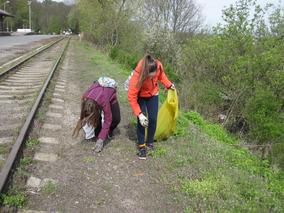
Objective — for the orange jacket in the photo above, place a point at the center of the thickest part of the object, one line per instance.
(149, 87)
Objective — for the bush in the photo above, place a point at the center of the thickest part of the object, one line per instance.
(238, 70)
(172, 75)
(127, 59)
(262, 113)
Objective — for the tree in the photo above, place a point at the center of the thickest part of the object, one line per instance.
(173, 15)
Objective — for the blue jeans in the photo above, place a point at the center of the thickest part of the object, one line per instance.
(149, 106)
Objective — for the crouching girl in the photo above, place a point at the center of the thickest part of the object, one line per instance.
(100, 99)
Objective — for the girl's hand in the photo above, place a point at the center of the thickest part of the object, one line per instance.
(143, 120)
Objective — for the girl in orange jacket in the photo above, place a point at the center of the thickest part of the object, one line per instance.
(143, 95)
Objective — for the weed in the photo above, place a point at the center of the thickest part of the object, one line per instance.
(213, 130)
(40, 116)
(32, 142)
(159, 151)
(182, 160)
(24, 162)
(4, 149)
(206, 187)
(15, 200)
(182, 125)
(49, 188)
(89, 159)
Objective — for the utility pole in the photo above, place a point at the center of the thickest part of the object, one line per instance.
(6, 2)
(30, 15)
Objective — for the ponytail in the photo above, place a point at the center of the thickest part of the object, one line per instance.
(148, 65)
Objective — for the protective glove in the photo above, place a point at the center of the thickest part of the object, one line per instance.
(89, 131)
(143, 120)
(173, 87)
(99, 145)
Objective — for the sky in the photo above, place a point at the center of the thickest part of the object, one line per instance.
(212, 9)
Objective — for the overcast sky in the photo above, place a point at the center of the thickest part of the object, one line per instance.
(212, 9)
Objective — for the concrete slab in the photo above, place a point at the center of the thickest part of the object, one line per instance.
(54, 115)
(61, 83)
(6, 140)
(18, 88)
(54, 106)
(48, 180)
(57, 95)
(59, 90)
(15, 96)
(45, 157)
(9, 127)
(58, 100)
(16, 101)
(51, 126)
(48, 140)
(32, 211)
(33, 182)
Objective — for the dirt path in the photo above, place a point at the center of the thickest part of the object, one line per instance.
(76, 180)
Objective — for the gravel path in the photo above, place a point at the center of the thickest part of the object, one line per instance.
(112, 181)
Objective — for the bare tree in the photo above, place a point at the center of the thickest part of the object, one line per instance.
(173, 15)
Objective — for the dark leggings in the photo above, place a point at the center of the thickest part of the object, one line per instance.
(115, 111)
(149, 105)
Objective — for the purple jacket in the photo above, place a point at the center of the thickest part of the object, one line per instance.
(105, 97)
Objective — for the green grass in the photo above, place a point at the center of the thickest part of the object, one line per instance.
(32, 142)
(14, 198)
(226, 179)
(101, 65)
(25, 162)
(89, 159)
(4, 149)
(49, 188)
(159, 151)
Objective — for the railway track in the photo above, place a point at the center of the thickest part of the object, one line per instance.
(22, 88)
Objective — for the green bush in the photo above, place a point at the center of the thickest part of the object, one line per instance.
(127, 59)
(262, 113)
(172, 75)
(238, 70)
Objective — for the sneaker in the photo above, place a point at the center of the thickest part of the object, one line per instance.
(110, 135)
(150, 146)
(142, 154)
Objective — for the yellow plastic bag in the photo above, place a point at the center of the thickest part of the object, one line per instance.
(167, 116)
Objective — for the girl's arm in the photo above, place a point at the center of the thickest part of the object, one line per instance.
(107, 121)
(133, 93)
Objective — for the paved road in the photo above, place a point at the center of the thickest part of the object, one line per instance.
(10, 41)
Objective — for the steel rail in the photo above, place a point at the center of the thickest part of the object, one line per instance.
(9, 163)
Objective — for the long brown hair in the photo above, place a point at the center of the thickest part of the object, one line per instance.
(148, 65)
(90, 113)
